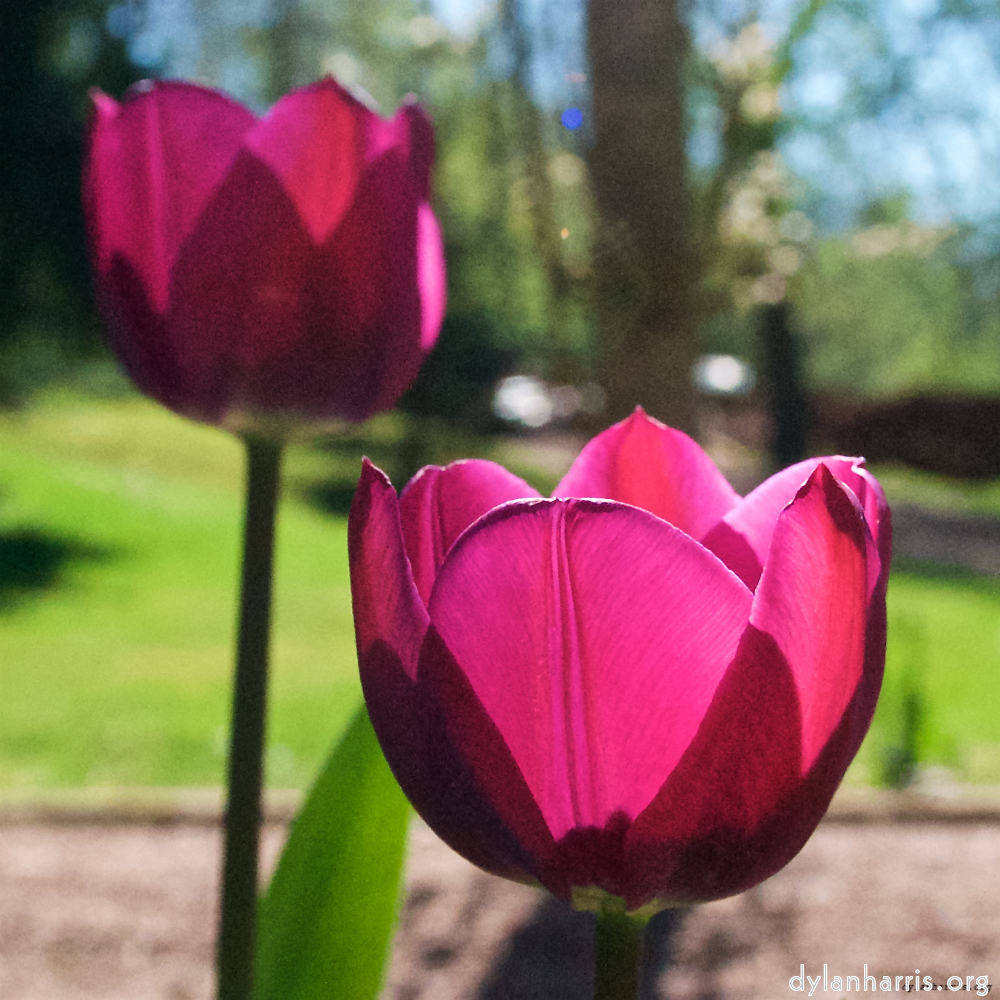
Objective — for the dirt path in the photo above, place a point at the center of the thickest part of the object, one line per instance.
(126, 912)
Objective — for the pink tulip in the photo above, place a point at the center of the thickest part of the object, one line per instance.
(288, 265)
(646, 684)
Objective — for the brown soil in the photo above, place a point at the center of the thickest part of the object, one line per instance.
(126, 912)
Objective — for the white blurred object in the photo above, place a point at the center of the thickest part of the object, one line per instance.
(723, 375)
(527, 400)
(523, 399)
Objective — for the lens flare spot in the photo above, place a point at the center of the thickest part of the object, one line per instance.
(572, 118)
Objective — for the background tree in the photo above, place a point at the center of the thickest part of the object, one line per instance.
(646, 271)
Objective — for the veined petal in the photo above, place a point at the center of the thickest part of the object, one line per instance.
(153, 163)
(417, 698)
(313, 139)
(438, 504)
(813, 600)
(690, 843)
(743, 537)
(594, 635)
(649, 465)
(870, 494)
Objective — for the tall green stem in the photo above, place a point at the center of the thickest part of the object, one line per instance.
(238, 911)
(619, 954)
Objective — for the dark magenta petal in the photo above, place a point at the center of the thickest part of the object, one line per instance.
(421, 706)
(313, 139)
(361, 303)
(743, 537)
(813, 600)
(689, 845)
(438, 504)
(853, 474)
(498, 815)
(235, 312)
(123, 298)
(387, 607)
(153, 162)
(786, 720)
(421, 148)
(644, 463)
(736, 809)
(594, 635)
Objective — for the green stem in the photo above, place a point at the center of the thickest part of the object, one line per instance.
(238, 911)
(619, 954)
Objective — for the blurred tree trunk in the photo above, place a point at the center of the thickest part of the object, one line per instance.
(783, 391)
(646, 267)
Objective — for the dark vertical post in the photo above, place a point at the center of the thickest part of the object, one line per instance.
(786, 400)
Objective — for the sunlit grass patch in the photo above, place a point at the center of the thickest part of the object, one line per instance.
(116, 667)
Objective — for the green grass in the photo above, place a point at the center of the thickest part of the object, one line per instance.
(120, 522)
(119, 535)
(944, 644)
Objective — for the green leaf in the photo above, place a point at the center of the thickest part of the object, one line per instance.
(327, 918)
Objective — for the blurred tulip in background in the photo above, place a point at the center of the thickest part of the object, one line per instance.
(260, 272)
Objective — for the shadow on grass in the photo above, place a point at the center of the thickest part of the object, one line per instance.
(33, 561)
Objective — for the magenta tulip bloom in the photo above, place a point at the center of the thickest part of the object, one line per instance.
(645, 685)
(281, 269)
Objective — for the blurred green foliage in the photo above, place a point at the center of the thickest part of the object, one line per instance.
(891, 312)
(513, 195)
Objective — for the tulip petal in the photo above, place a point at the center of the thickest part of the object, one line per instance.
(153, 163)
(430, 276)
(594, 635)
(235, 295)
(313, 139)
(646, 464)
(361, 304)
(735, 810)
(870, 494)
(742, 538)
(421, 148)
(123, 298)
(387, 606)
(786, 719)
(689, 845)
(438, 504)
(415, 708)
(813, 599)
(410, 132)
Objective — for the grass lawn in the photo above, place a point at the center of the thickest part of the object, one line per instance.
(119, 534)
(944, 647)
